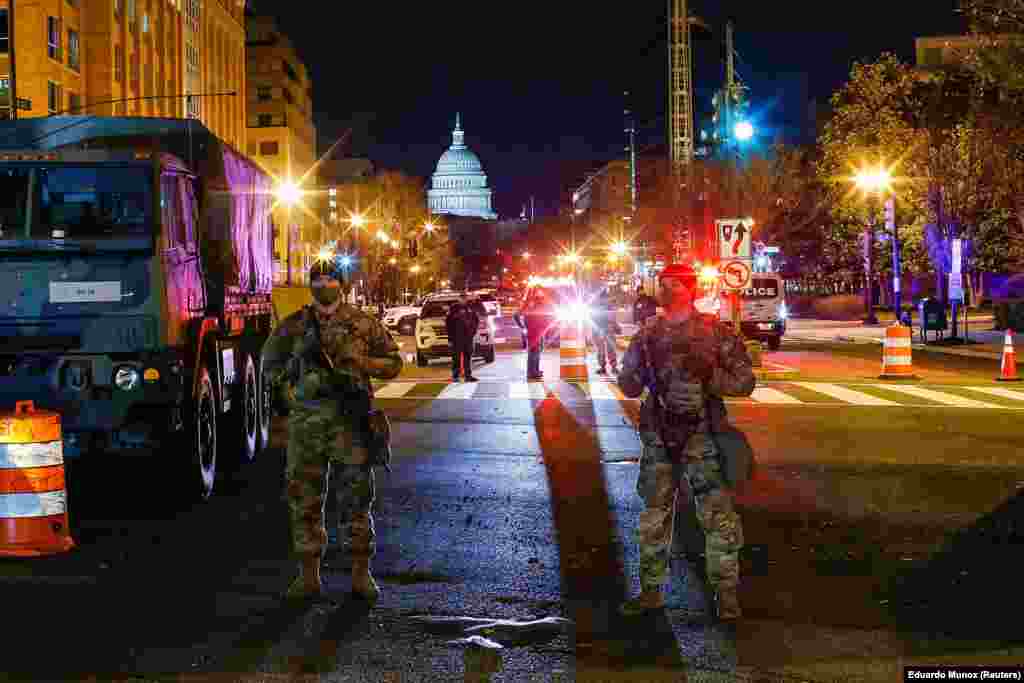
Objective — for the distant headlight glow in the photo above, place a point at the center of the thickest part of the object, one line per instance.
(573, 313)
(783, 311)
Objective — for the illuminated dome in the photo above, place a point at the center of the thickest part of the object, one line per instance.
(459, 185)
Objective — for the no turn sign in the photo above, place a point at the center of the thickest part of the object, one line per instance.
(736, 274)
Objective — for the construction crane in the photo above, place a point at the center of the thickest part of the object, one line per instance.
(680, 85)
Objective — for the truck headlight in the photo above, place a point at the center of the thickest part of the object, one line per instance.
(783, 311)
(126, 378)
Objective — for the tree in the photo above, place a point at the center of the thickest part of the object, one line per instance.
(998, 59)
(876, 119)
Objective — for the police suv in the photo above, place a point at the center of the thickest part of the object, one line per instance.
(763, 311)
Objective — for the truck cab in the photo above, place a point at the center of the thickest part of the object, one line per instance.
(763, 311)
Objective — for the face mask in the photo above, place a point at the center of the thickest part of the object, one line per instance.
(325, 296)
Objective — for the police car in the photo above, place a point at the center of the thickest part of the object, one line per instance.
(763, 311)
(432, 331)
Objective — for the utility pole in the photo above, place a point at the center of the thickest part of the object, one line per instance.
(731, 95)
(12, 86)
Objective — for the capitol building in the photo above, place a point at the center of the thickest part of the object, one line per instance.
(459, 185)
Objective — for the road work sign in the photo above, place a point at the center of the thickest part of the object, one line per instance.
(736, 275)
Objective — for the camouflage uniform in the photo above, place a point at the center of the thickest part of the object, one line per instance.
(322, 441)
(690, 452)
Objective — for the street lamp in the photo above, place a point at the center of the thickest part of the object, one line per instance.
(875, 182)
(743, 131)
(288, 193)
(429, 227)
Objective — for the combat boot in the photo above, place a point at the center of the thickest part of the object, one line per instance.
(646, 601)
(727, 605)
(363, 584)
(307, 585)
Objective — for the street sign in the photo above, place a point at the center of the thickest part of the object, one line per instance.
(734, 238)
(770, 250)
(736, 274)
(956, 287)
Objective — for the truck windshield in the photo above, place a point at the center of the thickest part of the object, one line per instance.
(48, 202)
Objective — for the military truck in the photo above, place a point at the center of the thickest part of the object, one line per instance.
(135, 289)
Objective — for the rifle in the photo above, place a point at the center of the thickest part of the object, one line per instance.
(666, 421)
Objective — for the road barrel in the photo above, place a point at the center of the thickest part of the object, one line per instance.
(33, 497)
(573, 352)
(896, 353)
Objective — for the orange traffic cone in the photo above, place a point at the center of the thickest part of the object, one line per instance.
(896, 354)
(573, 352)
(1008, 368)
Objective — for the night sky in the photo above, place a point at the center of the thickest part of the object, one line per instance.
(540, 84)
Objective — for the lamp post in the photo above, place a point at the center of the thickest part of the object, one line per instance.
(289, 194)
(875, 183)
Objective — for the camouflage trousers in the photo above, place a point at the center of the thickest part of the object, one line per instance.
(321, 451)
(658, 484)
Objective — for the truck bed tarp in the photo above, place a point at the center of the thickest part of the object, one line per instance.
(238, 232)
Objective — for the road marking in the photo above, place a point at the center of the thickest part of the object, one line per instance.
(395, 390)
(535, 390)
(848, 395)
(999, 391)
(604, 390)
(766, 395)
(459, 391)
(937, 396)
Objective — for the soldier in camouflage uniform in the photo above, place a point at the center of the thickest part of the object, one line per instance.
(324, 440)
(689, 360)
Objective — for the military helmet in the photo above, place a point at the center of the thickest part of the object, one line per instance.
(328, 267)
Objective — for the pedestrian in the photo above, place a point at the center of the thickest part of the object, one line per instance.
(688, 361)
(538, 316)
(605, 328)
(644, 306)
(319, 362)
(461, 324)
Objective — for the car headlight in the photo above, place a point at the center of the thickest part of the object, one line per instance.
(126, 378)
(783, 311)
(576, 312)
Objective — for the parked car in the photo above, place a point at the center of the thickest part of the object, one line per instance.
(489, 298)
(401, 320)
(432, 333)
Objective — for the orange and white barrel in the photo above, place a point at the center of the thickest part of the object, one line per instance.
(896, 353)
(573, 352)
(33, 496)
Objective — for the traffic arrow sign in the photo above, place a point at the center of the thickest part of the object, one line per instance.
(736, 274)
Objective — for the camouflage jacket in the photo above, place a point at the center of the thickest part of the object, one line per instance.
(348, 330)
(676, 350)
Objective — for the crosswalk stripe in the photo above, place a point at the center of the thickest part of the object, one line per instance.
(999, 391)
(604, 390)
(534, 390)
(768, 395)
(459, 391)
(395, 390)
(937, 396)
(858, 398)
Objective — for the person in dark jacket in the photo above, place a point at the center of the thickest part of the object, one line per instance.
(538, 316)
(461, 323)
(605, 329)
(644, 307)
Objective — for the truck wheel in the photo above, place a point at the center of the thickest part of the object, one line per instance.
(489, 354)
(774, 343)
(266, 411)
(249, 413)
(202, 460)
(421, 360)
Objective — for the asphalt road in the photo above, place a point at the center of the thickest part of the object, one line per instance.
(876, 534)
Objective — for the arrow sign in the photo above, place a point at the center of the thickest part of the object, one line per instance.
(734, 238)
(736, 274)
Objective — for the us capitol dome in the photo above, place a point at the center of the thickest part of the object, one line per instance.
(459, 185)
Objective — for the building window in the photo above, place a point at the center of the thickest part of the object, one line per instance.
(289, 70)
(333, 204)
(268, 149)
(53, 38)
(131, 15)
(74, 103)
(118, 63)
(4, 31)
(117, 8)
(145, 22)
(73, 50)
(54, 99)
(266, 120)
(933, 57)
(333, 192)
(264, 93)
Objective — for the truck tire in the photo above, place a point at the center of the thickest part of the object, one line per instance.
(266, 410)
(249, 413)
(201, 465)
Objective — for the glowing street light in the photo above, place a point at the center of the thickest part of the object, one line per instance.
(357, 220)
(383, 237)
(526, 255)
(288, 193)
(429, 227)
(876, 182)
(743, 130)
(393, 260)
(414, 269)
